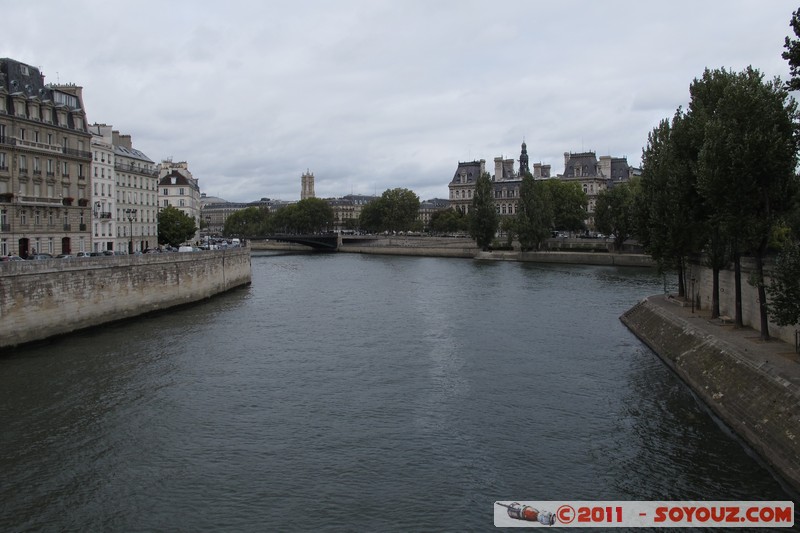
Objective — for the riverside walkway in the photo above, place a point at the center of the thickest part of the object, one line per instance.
(774, 357)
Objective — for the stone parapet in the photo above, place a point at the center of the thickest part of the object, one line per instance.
(41, 299)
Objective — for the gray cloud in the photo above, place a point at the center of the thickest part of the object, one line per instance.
(371, 95)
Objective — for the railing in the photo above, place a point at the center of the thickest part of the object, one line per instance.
(104, 214)
(37, 145)
(67, 227)
(39, 200)
(77, 153)
(133, 168)
(82, 227)
(5, 227)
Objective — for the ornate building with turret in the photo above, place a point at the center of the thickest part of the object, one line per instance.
(505, 181)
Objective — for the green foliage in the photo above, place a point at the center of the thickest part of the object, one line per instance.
(614, 212)
(792, 53)
(311, 215)
(175, 226)
(248, 222)
(534, 213)
(568, 203)
(483, 218)
(784, 289)
(448, 221)
(668, 218)
(396, 210)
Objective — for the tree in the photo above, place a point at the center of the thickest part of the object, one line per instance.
(448, 221)
(311, 215)
(534, 214)
(784, 289)
(568, 202)
(175, 226)
(792, 53)
(614, 212)
(248, 222)
(668, 222)
(746, 169)
(396, 210)
(483, 214)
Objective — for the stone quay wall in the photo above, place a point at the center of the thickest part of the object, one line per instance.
(41, 299)
(759, 406)
(701, 291)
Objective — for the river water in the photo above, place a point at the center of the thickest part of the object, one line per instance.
(359, 393)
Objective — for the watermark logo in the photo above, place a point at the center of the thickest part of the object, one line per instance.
(594, 514)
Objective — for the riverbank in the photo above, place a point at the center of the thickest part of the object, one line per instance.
(42, 299)
(751, 385)
(589, 253)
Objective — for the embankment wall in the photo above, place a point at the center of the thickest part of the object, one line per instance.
(760, 407)
(41, 299)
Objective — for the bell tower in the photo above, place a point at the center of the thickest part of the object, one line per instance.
(307, 185)
(523, 160)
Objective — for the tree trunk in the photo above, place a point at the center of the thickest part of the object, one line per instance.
(737, 284)
(762, 291)
(681, 279)
(715, 292)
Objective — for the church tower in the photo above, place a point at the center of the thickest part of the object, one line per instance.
(307, 185)
(523, 161)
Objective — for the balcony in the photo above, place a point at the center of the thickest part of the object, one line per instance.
(122, 167)
(37, 200)
(67, 227)
(31, 145)
(5, 227)
(104, 214)
(83, 154)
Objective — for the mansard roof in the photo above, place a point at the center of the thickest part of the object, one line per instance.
(131, 152)
(581, 164)
(180, 179)
(470, 169)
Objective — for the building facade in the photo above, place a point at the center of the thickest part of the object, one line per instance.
(44, 164)
(136, 183)
(104, 222)
(505, 182)
(595, 175)
(179, 189)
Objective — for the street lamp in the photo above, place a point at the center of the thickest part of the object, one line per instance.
(131, 214)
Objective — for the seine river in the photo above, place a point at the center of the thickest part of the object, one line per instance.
(359, 393)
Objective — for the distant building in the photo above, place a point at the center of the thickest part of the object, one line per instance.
(307, 185)
(428, 208)
(179, 189)
(44, 164)
(505, 182)
(595, 175)
(215, 211)
(347, 210)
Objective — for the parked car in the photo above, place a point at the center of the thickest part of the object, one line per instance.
(65, 256)
(11, 258)
(37, 257)
(83, 254)
(186, 249)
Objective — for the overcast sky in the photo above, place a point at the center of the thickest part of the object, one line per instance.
(371, 95)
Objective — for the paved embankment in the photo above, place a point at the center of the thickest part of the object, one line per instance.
(41, 299)
(753, 386)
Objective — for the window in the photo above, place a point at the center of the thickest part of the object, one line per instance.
(23, 164)
(166, 192)
(23, 218)
(180, 191)
(166, 203)
(3, 163)
(4, 247)
(65, 169)
(80, 170)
